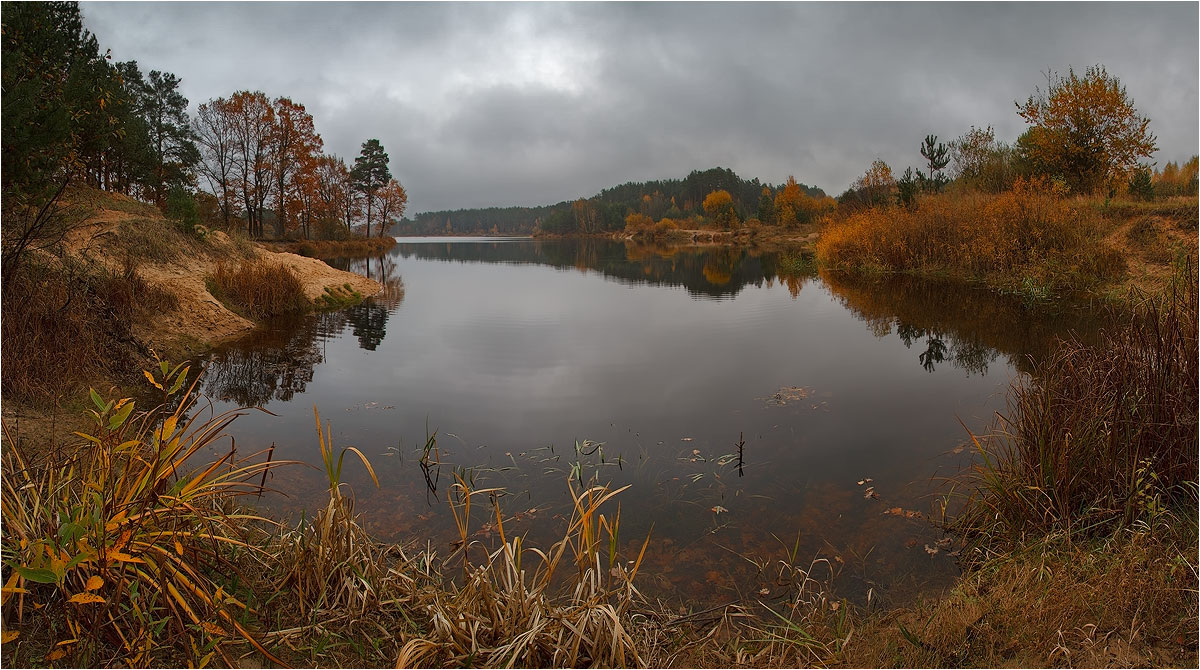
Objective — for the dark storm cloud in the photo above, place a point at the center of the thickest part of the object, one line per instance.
(482, 104)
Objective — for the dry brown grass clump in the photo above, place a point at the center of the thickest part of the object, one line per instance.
(63, 325)
(1129, 601)
(257, 289)
(1026, 239)
(1100, 437)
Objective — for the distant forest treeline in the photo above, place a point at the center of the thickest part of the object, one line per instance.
(606, 211)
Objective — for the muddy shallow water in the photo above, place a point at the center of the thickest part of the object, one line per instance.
(537, 361)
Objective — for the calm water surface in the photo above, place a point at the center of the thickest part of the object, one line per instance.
(515, 350)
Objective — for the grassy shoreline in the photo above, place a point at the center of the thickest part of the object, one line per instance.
(1046, 587)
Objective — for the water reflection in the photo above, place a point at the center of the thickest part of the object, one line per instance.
(276, 361)
(705, 271)
(741, 409)
(966, 326)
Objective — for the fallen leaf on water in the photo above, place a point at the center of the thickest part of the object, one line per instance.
(900, 511)
(717, 509)
(944, 542)
(912, 542)
(931, 550)
(958, 449)
(695, 452)
(866, 480)
(870, 493)
(685, 439)
(764, 591)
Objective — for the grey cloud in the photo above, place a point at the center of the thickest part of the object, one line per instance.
(509, 103)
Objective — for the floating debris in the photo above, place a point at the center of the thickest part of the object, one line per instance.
(788, 394)
(870, 493)
(866, 480)
(764, 591)
(932, 551)
(685, 439)
(717, 509)
(905, 513)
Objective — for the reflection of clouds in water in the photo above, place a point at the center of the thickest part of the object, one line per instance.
(508, 346)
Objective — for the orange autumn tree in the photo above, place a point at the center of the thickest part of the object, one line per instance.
(794, 207)
(295, 146)
(1085, 130)
(336, 201)
(718, 205)
(390, 202)
(252, 124)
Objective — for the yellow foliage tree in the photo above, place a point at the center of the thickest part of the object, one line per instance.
(718, 205)
(1089, 133)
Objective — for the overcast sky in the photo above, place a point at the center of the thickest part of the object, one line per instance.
(484, 104)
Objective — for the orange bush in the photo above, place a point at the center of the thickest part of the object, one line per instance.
(1027, 234)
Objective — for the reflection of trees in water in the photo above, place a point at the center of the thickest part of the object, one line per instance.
(276, 362)
(369, 322)
(965, 326)
(380, 268)
(704, 271)
(273, 363)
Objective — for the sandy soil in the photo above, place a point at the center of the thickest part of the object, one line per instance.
(201, 320)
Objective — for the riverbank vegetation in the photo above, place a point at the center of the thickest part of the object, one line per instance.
(334, 248)
(127, 546)
(1078, 528)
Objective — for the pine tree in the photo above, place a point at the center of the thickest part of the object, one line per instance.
(370, 172)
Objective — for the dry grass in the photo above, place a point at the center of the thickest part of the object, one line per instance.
(1100, 437)
(1028, 239)
(1128, 601)
(258, 290)
(67, 324)
(361, 246)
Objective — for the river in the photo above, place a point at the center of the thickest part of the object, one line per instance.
(538, 362)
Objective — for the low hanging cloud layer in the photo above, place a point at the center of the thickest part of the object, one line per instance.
(526, 104)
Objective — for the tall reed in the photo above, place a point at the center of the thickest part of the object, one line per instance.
(1099, 437)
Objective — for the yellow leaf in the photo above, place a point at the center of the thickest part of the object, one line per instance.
(212, 628)
(8, 636)
(168, 427)
(123, 557)
(94, 582)
(151, 378)
(85, 598)
(178, 548)
(55, 655)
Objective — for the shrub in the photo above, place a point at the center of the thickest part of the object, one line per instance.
(1005, 239)
(128, 544)
(258, 290)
